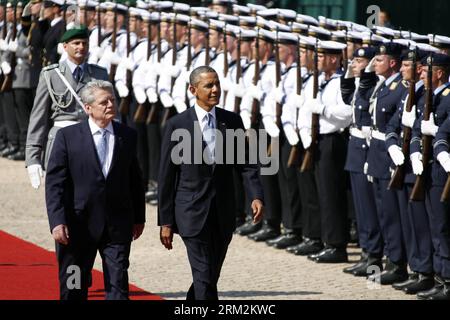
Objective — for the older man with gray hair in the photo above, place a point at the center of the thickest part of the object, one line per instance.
(94, 196)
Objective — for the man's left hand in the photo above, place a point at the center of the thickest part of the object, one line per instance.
(258, 210)
(137, 230)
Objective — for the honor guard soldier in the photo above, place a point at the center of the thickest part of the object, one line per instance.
(53, 13)
(57, 102)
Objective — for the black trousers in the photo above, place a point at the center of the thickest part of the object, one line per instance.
(3, 130)
(206, 253)
(331, 187)
(154, 132)
(9, 115)
(310, 205)
(23, 101)
(77, 258)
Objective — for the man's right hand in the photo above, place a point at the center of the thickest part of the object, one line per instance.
(35, 173)
(166, 237)
(61, 234)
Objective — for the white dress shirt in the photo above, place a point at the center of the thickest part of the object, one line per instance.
(110, 139)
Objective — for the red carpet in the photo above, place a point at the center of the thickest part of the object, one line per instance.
(29, 272)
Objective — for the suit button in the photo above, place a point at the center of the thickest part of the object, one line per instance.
(363, 146)
(360, 107)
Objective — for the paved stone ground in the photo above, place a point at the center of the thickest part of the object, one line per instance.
(251, 270)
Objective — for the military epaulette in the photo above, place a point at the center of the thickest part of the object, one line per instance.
(405, 83)
(393, 85)
(446, 92)
(50, 67)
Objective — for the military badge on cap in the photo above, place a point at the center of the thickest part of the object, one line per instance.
(382, 49)
(361, 52)
(411, 55)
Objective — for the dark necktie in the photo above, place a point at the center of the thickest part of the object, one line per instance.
(77, 73)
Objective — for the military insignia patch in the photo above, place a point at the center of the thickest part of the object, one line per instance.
(393, 85)
(382, 49)
(361, 52)
(446, 92)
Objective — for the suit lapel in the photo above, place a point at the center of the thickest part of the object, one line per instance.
(90, 145)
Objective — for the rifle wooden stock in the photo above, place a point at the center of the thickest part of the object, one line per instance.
(255, 103)
(225, 61)
(140, 115)
(124, 107)
(293, 155)
(8, 79)
(152, 114)
(113, 67)
(418, 191)
(99, 25)
(308, 159)
(446, 191)
(237, 100)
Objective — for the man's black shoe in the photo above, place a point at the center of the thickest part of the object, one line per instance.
(284, 241)
(424, 282)
(248, 228)
(362, 261)
(373, 264)
(265, 233)
(18, 156)
(411, 279)
(395, 272)
(331, 255)
(8, 151)
(308, 247)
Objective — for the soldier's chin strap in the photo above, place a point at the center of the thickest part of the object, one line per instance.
(72, 91)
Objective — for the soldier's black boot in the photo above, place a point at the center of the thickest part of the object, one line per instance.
(362, 261)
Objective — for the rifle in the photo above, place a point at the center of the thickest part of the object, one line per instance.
(113, 68)
(124, 106)
(255, 103)
(207, 57)
(399, 173)
(8, 79)
(237, 100)
(345, 54)
(65, 15)
(293, 155)
(418, 191)
(308, 159)
(151, 118)
(99, 24)
(188, 61)
(174, 62)
(225, 60)
(277, 83)
(141, 111)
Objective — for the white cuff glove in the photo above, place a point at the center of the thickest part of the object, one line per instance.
(166, 100)
(6, 67)
(408, 118)
(350, 72)
(99, 52)
(299, 100)
(291, 135)
(156, 68)
(139, 94)
(35, 173)
(3, 45)
(128, 63)
(151, 95)
(371, 66)
(255, 91)
(226, 84)
(12, 46)
(416, 163)
(366, 131)
(115, 58)
(122, 89)
(428, 128)
(305, 135)
(279, 94)
(239, 89)
(174, 71)
(366, 167)
(314, 106)
(180, 105)
(396, 155)
(106, 56)
(444, 159)
(246, 119)
(271, 128)
(60, 49)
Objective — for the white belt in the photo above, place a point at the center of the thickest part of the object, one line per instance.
(355, 132)
(64, 123)
(378, 135)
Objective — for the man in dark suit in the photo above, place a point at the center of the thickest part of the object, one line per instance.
(196, 193)
(95, 196)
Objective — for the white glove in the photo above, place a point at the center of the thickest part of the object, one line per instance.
(246, 119)
(416, 162)
(156, 67)
(3, 45)
(291, 135)
(12, 46)
(107, 55)
(35, 173)
(444, 159)
(299, 100)
(139, 94)
(226, 84)
(239, 89)
(428, 128)
(366, 167)
(350, 72)
(27, 10)
(166, 100)
(371, 66)
(271, 128)
(174, 71)
(396, 154)
(408, 118)
(314, 106)
(115, 58)
(60, 49)
(305, 135)
(128, 63)
(255, 91)
(279, 94)
(180, 105)
(6, 67)
(151, 95)
(122, 89)
(98, 52)
(366, 131)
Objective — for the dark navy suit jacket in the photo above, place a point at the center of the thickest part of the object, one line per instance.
(186, 191)
(78, 194)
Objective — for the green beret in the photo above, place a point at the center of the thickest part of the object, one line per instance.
(75, 33)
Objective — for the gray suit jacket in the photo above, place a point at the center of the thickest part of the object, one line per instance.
(65, 107)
